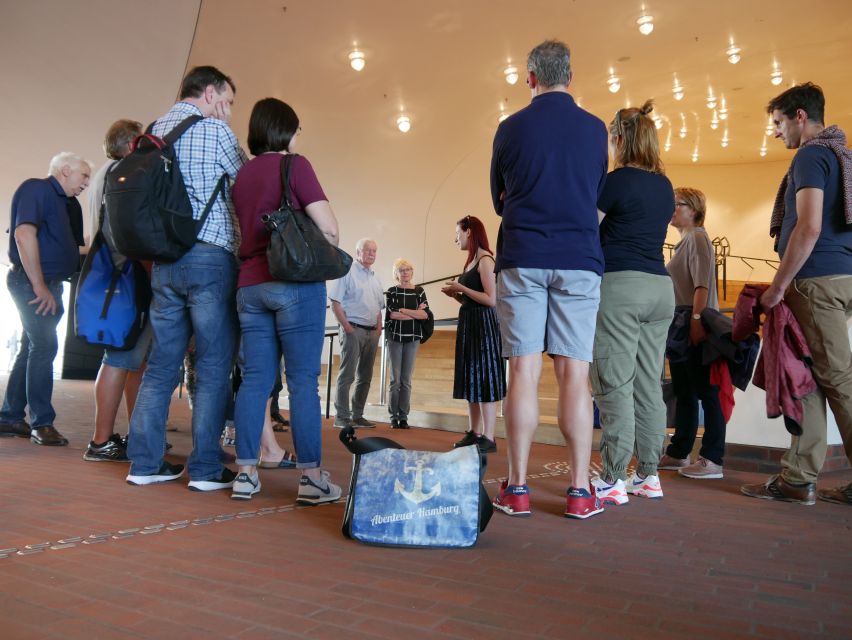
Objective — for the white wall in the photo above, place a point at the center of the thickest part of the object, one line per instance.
(70, 69)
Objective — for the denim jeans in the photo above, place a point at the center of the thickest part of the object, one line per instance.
(31, 380)
(194, 295)
(402, 356)
(280, 318)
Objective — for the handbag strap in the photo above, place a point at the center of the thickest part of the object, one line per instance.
(286, 169)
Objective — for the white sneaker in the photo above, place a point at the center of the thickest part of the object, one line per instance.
(317, 493)
(702, 469)
(647, 487)
(614, 494)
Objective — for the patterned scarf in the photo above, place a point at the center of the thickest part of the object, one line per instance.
(833, 138)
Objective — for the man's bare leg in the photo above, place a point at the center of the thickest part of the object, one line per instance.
(575, 415)
(521, 413)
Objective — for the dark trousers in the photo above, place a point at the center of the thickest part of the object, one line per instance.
(691, 383)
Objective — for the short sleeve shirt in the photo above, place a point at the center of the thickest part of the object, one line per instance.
(360, 293)
(817, 167)
(638, 205)
(42, 203)
(257, 191)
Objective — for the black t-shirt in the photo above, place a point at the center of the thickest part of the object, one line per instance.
(638, 205)
(816, 166)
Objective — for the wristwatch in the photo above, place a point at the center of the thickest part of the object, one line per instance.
(696, 316)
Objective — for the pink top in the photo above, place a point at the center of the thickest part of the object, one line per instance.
(257, 190)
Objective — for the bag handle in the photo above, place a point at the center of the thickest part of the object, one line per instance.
(286, 170)
(367, 445)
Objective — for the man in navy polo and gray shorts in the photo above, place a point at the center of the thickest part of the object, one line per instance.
(548, 167)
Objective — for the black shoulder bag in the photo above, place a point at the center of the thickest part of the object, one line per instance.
(298, 251)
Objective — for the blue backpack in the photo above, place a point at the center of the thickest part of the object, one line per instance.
(111, 306)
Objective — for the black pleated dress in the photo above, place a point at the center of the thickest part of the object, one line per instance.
(480, 373)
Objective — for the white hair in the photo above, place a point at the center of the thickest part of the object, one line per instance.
(66, 158)
(359, 246)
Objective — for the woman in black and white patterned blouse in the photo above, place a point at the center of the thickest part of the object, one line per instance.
(405, 308)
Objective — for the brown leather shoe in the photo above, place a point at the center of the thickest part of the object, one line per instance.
(18, 429)
(839, 495)
(776, 488)
(48, 436)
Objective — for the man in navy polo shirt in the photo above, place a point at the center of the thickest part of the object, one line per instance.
(548, 168)
(43, 251)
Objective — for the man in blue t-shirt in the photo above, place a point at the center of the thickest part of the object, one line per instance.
(46, 231)
(815, 280)
(548, 168)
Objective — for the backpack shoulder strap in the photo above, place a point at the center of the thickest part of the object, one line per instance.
(180, 128)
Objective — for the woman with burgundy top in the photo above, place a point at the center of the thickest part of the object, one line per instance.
(278, 318)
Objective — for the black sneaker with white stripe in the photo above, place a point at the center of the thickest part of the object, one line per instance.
(113, 450)
(166, 473)
(224, 481)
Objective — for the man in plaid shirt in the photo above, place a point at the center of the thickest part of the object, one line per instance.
(194, 295)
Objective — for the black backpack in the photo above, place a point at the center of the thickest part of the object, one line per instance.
(150, 215)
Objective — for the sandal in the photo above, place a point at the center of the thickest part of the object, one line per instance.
(288, 461)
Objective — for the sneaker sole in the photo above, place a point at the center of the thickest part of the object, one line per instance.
(615, 501)
(652, 495)
(509, 512)
(672, 468)
(89, 458)
(577, 516)
(773, 498)
(209, 485)
(244, 495)
(313, 501)
(707, 476)
(141, 481)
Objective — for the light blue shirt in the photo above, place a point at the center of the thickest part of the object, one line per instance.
(360, 294)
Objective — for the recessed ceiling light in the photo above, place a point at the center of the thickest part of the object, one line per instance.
(403, 123)
(668, 144)
(511, 74)
(776, 77)
(356, 60)
(770, 126)
(733, 52)
(711, 99)
(723, 110)
(677, 89)
(725, 139)
(646, 24)
(714, 121)
(613, 83)
(695, 154)
(683, 131)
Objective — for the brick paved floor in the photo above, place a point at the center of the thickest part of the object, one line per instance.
(704, 562)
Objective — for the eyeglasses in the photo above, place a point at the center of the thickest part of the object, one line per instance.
(681, 204)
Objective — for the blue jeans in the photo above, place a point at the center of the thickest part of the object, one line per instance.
(194, 295)
(280, 318)
(31, 380)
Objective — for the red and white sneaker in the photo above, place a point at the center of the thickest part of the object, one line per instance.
(647, 487)
(582, 504)
(513, 500)
(614, 494)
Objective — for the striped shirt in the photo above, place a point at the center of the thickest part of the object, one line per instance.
(400, 298)
(206, 151)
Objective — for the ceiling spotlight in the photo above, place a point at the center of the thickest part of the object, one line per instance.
(695, 155)
(613, 83)
(733, 53)
(682, 133)
(646, 24)
(356, 60)
(770, 126)
(763, 152)
(723, 110)
(711, 99)
(668, 144)
(725, 139)
(403, 123)
(776, 77)
(714, 121)
(511, 74)
(658, 122)
(502, 117)
(677, 89)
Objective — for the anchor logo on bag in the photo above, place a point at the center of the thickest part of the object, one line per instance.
(416, 495)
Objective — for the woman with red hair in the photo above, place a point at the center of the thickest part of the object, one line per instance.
(480, 374)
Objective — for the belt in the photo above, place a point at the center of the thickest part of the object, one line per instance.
(364, 327)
